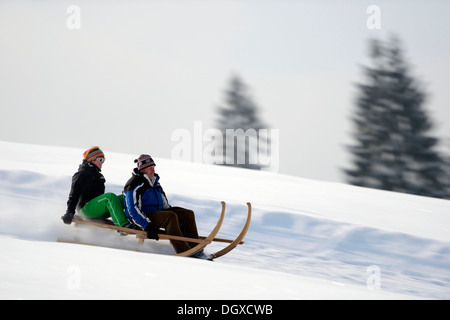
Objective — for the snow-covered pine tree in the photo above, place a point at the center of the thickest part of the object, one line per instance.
(241, 128)
(394, 150)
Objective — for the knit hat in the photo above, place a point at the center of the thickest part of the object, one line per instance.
(92, 153)
(144, 161)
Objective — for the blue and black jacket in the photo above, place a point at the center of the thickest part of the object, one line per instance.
(142, 196)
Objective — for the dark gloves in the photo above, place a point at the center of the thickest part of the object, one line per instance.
(152, 232)
(67, 218)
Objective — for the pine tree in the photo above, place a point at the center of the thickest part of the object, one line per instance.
(241, 127)
(394, 150)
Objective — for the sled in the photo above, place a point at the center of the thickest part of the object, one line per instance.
(201, 240)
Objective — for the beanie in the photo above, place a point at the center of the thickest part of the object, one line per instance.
(92, 153)
(144, 161)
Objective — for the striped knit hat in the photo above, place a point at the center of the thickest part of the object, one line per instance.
(144, 161)
(92, 153)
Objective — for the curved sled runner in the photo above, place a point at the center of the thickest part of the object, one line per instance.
(208, 238)
(239, 239)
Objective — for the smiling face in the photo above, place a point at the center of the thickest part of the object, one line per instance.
(149, 171)
(98, 162)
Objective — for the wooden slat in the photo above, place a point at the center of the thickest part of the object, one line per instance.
(142, 234)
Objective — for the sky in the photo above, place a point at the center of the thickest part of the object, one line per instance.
(128, 75)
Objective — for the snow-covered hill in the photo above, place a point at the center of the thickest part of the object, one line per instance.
(308, 239)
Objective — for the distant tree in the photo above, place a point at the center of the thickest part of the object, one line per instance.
(241, 128)
(447, 171)
(394, 150)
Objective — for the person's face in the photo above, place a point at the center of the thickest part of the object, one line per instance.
(150, 171)
(98, 162)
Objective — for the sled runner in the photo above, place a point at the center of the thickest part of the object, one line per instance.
(201, 241)
(240, 237)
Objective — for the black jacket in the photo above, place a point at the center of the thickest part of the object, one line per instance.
(87, 184)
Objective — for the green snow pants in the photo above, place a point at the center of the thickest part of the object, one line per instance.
(105, 206)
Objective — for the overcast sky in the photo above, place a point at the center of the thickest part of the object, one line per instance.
(136, 71)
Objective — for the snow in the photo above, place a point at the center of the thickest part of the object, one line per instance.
(308, 239)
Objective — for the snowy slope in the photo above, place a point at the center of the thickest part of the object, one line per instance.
(308, 239)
